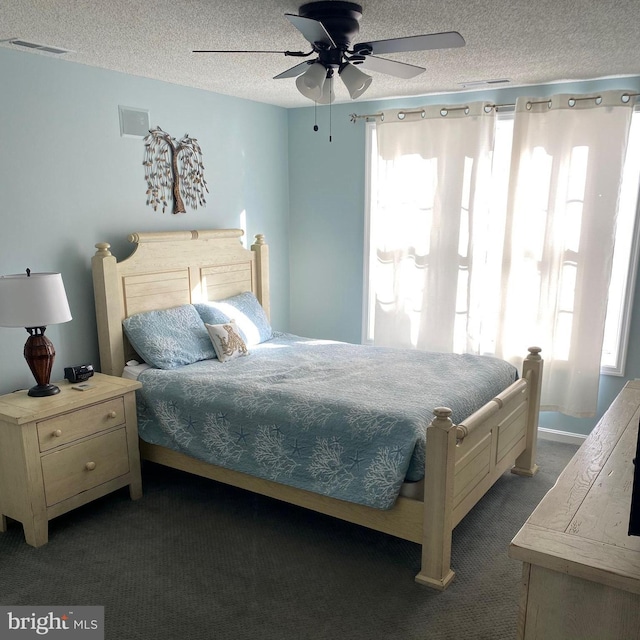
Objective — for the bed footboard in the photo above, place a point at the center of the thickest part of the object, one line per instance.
(463, 462)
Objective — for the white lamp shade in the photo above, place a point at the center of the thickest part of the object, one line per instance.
(356, 81)
(310, 84)
(36, 300)
(327, 96)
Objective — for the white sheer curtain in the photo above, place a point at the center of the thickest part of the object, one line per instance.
(461, 263)
(422, 237)
(565, 178)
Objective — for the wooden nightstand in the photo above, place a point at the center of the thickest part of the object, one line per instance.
(62, 451)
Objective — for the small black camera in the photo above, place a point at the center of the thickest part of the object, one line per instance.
(78, 373)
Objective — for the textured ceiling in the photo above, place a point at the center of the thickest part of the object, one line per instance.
(525, 41)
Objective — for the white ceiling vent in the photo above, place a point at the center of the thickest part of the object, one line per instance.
(38, 47)
(479, 83)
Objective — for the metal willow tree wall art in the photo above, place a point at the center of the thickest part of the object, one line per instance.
(174, 172)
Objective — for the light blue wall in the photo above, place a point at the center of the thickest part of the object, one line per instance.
(68, 180)
(327, 221)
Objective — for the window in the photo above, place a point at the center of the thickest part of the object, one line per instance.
(625, 260)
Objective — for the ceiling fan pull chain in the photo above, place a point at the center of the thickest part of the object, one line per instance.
(315, 116)
(330, 121)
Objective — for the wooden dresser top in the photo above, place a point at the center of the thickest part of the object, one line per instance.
(580, 527)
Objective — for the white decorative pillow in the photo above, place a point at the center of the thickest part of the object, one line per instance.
(227, 341)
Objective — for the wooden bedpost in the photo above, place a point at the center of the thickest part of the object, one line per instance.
(261, 249)
(438, 501)
(532, 373)
(109, 312)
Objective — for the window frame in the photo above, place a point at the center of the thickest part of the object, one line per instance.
(366, 337)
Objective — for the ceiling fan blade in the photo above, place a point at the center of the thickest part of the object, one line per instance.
(446, 40)
(391, 67)
(312, 30)
(297, 54)
(293, 71)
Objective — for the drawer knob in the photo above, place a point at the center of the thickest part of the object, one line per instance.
(112, 414)
(90, 466)
(57, 433)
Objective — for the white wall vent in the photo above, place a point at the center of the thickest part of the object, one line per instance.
(134, 122)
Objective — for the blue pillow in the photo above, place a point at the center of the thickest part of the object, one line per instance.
(245, 310)
(210, 314)
(169, 338)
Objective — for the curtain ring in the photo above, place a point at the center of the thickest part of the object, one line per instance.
(423, 114)
(571, 102)
(401, 115)
(444, 112)
(599, 100)
(625, 97)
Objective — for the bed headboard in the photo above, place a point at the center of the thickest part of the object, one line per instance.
(168, 269)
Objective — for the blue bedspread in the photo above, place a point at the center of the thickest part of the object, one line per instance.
(338, 419)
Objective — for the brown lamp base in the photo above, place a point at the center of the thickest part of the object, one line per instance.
(41, 390)
(40, 354)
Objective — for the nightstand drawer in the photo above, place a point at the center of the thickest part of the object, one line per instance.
(84, 465)
(77, 424)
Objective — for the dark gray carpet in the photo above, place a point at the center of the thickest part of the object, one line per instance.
(197, 560)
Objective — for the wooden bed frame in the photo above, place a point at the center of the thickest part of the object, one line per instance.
(463, 461)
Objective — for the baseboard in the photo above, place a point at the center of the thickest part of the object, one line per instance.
(561, 436)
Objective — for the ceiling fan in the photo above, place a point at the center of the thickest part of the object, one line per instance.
(329, 26)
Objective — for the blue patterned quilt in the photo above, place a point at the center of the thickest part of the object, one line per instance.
(338, 419)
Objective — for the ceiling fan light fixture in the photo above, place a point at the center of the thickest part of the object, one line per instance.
(311, 83)
(355, 80)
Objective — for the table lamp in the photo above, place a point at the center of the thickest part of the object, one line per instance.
(33, 301)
